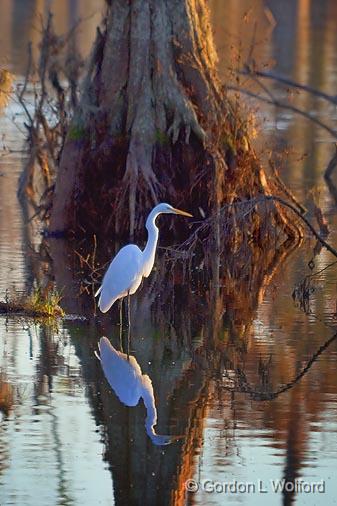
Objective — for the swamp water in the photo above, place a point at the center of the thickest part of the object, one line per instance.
(245, 383)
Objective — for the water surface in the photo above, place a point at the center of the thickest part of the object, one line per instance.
(248, 377)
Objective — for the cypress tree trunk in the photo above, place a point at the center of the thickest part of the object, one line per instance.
(154, 124)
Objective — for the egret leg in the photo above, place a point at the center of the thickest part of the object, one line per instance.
(129, 324)
(129, 310)
(120, 302)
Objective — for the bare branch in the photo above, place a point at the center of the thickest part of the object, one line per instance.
(332, 164)
(248, 71)
(283, 105)
(284, 188)
(252, 203)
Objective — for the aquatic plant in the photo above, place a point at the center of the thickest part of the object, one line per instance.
(38, 303)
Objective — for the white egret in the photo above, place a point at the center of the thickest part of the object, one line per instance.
(131, 264)
(125, 377)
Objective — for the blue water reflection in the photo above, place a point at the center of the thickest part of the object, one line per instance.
(129, 384)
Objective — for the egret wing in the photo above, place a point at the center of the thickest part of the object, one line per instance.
(124, 272)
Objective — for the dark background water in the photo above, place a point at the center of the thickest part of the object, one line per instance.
(217, 361)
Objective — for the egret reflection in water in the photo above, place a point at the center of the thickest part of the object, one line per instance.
(125, 377)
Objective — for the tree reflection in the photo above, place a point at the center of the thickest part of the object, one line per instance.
(195, 336)
(192, 345)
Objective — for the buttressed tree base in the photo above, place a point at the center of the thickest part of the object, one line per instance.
(155, 124)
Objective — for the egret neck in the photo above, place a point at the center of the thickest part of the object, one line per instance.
(150, 248)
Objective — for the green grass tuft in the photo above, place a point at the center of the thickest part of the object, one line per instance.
(39, 303)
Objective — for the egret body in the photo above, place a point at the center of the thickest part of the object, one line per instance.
(131, 264)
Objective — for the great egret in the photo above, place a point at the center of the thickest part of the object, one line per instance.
(125, 377)
(131, 264)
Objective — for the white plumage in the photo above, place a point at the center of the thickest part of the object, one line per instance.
(122, 277)
(129, 384)
(131, 264)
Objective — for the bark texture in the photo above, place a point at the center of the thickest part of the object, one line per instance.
(154, 124)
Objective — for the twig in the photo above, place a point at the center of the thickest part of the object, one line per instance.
(283, 105)
(285, 189)
(332, 164)
(252, 202)
(289, 82)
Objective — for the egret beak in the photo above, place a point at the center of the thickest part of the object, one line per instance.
(183, 213)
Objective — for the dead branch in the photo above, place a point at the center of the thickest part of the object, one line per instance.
(195, 236)
(248, 71)
(283, 105)
(332, 165)
(285, 189)
(48, 124)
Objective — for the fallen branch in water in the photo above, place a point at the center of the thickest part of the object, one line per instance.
(307, 222)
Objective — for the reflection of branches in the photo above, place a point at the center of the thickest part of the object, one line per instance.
(304, 289)
(244, 386)
(301, 294)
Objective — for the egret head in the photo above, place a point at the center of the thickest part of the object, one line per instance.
(168, 209)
